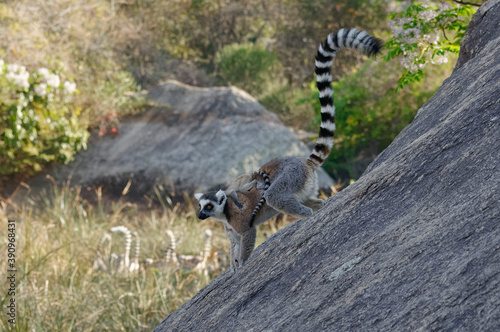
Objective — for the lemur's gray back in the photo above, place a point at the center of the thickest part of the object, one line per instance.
(351, 38)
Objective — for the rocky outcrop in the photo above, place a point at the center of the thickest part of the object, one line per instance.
(413, 245)
(196, 139)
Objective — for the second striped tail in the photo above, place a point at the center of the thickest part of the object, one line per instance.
(262, 201)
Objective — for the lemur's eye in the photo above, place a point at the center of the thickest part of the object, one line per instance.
(209, 207)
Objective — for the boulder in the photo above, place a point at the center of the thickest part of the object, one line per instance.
(413, 245)
(195, 139)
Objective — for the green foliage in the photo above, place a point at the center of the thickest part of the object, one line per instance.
(38, 121)
(368, 115)
(38, 129)
(248, 66)
(425, 34)
(118, 91)
(292, 106)
(266, 48)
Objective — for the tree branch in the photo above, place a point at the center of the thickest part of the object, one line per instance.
(466, 3)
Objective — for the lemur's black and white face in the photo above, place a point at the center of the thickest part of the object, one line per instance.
(212, 205)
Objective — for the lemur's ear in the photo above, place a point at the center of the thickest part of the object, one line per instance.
(221, 196)
(198, 196)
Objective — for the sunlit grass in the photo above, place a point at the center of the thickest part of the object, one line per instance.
(58, 233)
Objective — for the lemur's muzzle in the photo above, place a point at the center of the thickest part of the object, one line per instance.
(202, 215)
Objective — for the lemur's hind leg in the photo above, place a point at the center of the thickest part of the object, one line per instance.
(234, 246)
(247, 245)
(285, 202)
(314, 203)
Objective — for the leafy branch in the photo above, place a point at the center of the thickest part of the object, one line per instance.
(424, 34)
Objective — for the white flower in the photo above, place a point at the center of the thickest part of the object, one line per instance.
(413, 68)
(409, 33)
(44, 72)
(440, 59)
(431, 38)
(41, 89)
(444, 6)
(1, 65)
(69, 87)
(14, 68)
(18, 75)
(404, 20)
(427, 15)
(409, 62)
(23, 80)
(53, 80)
(397, 32)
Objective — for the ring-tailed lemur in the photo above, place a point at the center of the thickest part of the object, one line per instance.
(170, 255)
(294, 185)
(122, 262)
(134, 264)
(235, 211)
(99, 262)
(198, 263)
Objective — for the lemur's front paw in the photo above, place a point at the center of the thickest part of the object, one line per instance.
(237, 265)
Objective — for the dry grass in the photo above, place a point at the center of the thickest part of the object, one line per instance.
(57, 236)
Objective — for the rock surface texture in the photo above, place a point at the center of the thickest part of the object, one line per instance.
(413, 245)
(199, 139)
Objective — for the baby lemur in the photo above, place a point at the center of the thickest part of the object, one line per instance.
(234, 208)
(293, 181)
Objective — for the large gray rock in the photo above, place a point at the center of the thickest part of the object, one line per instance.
(197, 139)
(413, 245)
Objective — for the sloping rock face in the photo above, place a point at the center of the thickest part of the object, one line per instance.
(413, 245)
(199, 140)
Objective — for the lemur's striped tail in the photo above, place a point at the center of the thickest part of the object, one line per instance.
(170, 254)
(128, 243)
(137, 248)
(352, 38)
(267, 183)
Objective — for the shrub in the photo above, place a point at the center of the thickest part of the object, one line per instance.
(250, 67)
(39, 123)
(424, 34)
